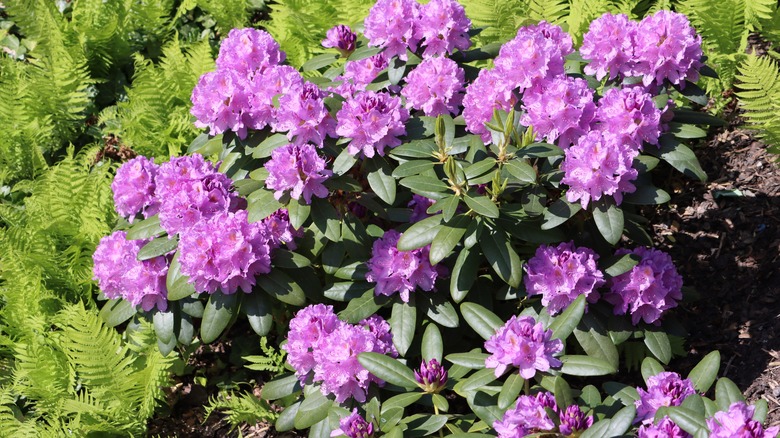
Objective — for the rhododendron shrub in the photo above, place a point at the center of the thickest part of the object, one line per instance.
(437, 246)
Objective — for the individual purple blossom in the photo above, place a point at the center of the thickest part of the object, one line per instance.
(133, 188)
(526, 417)
(278, 80)
(302, 113)
(666, 428)
(358, 74)
(419, 205)
(609, 46)
(559, 109)
(574, 420)
(630, 113)
(435, 87)
(738, 422)
(373, 121)
(487, 93)
(599, 164)
(342, 38)
(309, 326)
(248, 51)
(297, 171)
(400, 271)
(443, 27)
(224, 253)
(561, 274)
(392, 25)
(663, 389)
(280, 231)
(667, 48)
(524, 343)
(380, 330)
(221, 103)
(354, 426)
(431, 376)
(648, 289)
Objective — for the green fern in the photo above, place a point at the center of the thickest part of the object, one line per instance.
(759, 95)
(273, 361)
(241, 408)
(228, 14)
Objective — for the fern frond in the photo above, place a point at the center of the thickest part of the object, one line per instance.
(273, 361)
(241, 408)
(758, 91)
(581, 13)
(499, 19)
(228, 14)
(758, 10)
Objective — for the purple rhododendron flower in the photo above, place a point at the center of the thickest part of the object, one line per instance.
(220, 102)
(560, 108)
(574, 420)
(278, 80)
(392, 25)
(487, 93)
(630, 113)
(342, 38)
(431, 376)
(443, 27)
(121, 275)
(419, 205)
(599, 164)
(248, 51)
(358, 74)
(297, 170)
(373, 121)
(354, 426)
(225, 252)
(400, 271)
(738, 422)
(666, 428)
(280, 231)
(307, 328)
(648, 289)
(609, 46)
(663, 389)
(302, 113)
(133, 188)
(667, 48)
(524, 343)
(561, 274)
(527, 416)
(435, 87)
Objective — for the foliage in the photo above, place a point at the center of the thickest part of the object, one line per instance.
(759, 96)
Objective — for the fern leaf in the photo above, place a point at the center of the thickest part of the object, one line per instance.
(759, 95)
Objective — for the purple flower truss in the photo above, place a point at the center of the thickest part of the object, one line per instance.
(667, 48)
(342, 38)
(121, 275)
(400, 271)
(302, 113)
(133, 188)
(354, 426)
(738, 422)
(574, 420)
(630, 113)
(599, 164)
(419, 205)
(191, 190)
(561, 108)
(358, 74)
(609, 46)
(443, 27)
(225, 253)
(380, 330)
(392, 25)
(297, 170)
(278, 80)
(431, 376)
(373, 121)
(524, 343)
(666, 428)
(309, 326)
(220, 102)
(561, 274)
(488, 92)
(247, 51)
(280, 231)
(663, 389)
(527, 416)
(435, 87)
(648, 289)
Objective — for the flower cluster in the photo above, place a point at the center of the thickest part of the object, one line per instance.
(609, 45)
(738, 422)
(134, 188)
(561, 108)
(120, 274)
(529, 416)
(400, 271)
(354, 426)
(666, 428)
(358, 74)
(431, 376)
(630, 114)
(524, 343)
(443, 28)
(322, 346)
(435, 87)
(561, 274)
(373, 121)
(663, 389)
(342, 38)
(648, 289)
(302, 113)
(280, 231)
(297, 170)
(485, 94)
(249, 52)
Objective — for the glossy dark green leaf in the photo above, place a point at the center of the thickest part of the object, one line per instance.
(620, 391)
(482, 320)
(388, 369)
(352, 271)
(726, 393)
(178, 284)
(415, 149)
(688, 420)
(485, 406)
(658, 343)
(313, 409)
(432, 345)
(679, 156)
(217, 315)
(287, 259)
(362, 307)
(280, 387)
(380, 180)
(403, 322)
(609, 220)
(579, 365)
(423, 425)
(540, 150)
(401, 400)
(411, 168)
(424, 185)
(319, 62)
(686, 131)
(645, 163)
(482, 205)
(205, 146)
(186, 330)
(693, 92)
(145, 229)
(597, 430)
(447, 238)
(682, 115)
(703, 375)
(258, 312)
(619, 264)
(266, 148)
(347, 290)
(650, 367)
(562, 392)
(326, 219)
(510, 390)
(440, 309)
(261, 204)
(286, 419)
(464, 274)
(594, 339)
(420, 234)
(521, 171)
(363, 53)
(115, 312)
(473, 360)
(476, 381)
(559, 212)
(479, 168)
(501, 257)
(298, 212)
(392, 416)
(163, 325)
(621, 421)
(647, 195)
(343, 162)
(563, 325)
(280, 286)
(157, 247)
(449, 207)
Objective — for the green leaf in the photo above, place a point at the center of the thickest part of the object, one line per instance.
(363, 53)
(286, 419)
(464, 273)
(388, 369)
(298, 212)
(411, 168)
(485, 406)
(380, 180)
(343, 162)
(686, 131)
(415, 149)
(403, 322)
(424, 185)
(352, 271)
(510, 390)
(620, 391)
(761, 411)
(401, 400)
(420, 234)
(115, 312)
(645, 163)
(726, 393)
(540, 150)
(647, 195)
(313, 409)
(562, 392)
(521, 170)
(559, 212)
(432, 346)
(609, 220)
(392, 416)
(441, 310)
(482, 320)
(682, 115)
(157, 247)
(287, 259)
(650, 367)
(163, 326)
(703, 375)
(578, 365)
(688, 420)
(679, 156)
(280, 286)
(449, 207)
(440, 402)
(258, 312)
(479, 168)
(326, 219)
(621, 422)
(261, 204)
(205, 146)
(317, 63)
(482, 205)
(178, 284)
(280, 387)
(363, 307)
(620, 264)
(693, 93)
(422, 425)
(347, 290)
(594, 339)
(447, 238)
(476, 381)
(217, 315)
(563, 325)
(658, 343)
(145, 229)
(266, 148)
(473, 360)
(501, 257)
(598, 430)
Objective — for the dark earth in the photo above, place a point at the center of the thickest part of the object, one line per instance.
(724, 236)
